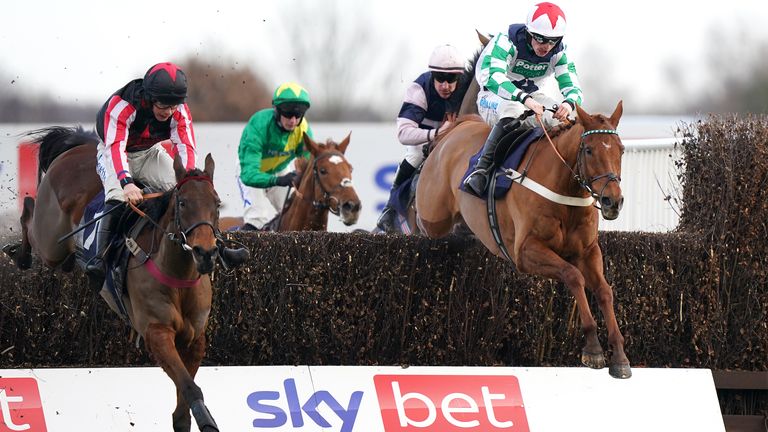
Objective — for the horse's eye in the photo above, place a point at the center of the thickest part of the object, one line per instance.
(323, 171)
(182, 204)
(588, 150)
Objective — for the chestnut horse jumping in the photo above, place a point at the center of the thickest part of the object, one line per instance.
(182, 247)
(553, 234)
(326, 186)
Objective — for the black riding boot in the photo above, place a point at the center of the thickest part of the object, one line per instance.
(477, 181)
(95, 267)
(386, 221)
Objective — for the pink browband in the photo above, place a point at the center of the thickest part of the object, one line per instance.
(190, 178)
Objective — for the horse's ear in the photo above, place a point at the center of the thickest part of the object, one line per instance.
(209, 166)
(484, 39)
(617, 114)
(311, 145)
(344, 143)
(178, 168)
(582, 116)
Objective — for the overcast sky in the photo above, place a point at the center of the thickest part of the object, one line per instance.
(84, 50)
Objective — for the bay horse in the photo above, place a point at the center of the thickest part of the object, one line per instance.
(182, 243)
(582, 166)
(325, 187)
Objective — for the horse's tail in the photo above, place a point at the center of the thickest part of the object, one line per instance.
(56, 140)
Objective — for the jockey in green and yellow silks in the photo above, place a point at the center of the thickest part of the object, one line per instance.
(271, 140)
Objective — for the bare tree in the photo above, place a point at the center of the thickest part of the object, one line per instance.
(738, 70)
(336, 51)
(21, 105)
(223, 90)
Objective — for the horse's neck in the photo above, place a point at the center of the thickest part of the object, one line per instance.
(560, 177)
(302, 214)
(469, 103)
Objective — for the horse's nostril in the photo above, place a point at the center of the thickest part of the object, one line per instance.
(606, 202)
(351, 206)
(204, 253)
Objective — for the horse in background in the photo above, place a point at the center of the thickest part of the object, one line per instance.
(325, 187)
(168, 291)
(553, 234)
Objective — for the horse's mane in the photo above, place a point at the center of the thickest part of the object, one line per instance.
(56, 140)
(560, 129)
(469, 70)
(301, 163)
(155, 208)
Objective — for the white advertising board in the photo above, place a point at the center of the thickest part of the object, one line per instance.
(366, 399)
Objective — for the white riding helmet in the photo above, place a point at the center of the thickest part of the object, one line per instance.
(546, 19)
(446, 58)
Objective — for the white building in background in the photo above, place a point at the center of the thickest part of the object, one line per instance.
(649, 176)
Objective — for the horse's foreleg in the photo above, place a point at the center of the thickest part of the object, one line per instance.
(160, 340)
(593, 272)
(536, 258)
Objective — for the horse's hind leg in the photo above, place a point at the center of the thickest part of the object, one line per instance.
(49, 221)
(160, 340)
(23, 255)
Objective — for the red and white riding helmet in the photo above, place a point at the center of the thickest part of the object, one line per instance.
(546, 19)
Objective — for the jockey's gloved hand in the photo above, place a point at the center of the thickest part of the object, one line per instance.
(287, 179)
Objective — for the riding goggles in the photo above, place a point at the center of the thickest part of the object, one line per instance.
(163, 107)
(544, 40)
(291, 114)
(445, 77)
(291, 110)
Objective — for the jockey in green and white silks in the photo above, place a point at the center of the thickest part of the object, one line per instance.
(512, 71)
(509, 71)
(270, 142)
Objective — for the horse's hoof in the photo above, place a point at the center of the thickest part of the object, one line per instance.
(593, 360)
(203, 417)
(621, 371)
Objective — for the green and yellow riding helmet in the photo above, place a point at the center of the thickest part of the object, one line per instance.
(291, 98)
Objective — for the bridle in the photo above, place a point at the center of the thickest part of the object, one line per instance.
(327, 200)
(580, 177)
(181, 237)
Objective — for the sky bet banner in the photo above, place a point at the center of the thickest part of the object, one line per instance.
(365, 399)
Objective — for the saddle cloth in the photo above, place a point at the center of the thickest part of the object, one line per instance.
(116, 259)
(511, 151)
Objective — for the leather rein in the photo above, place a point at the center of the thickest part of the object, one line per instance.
(326, 201)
